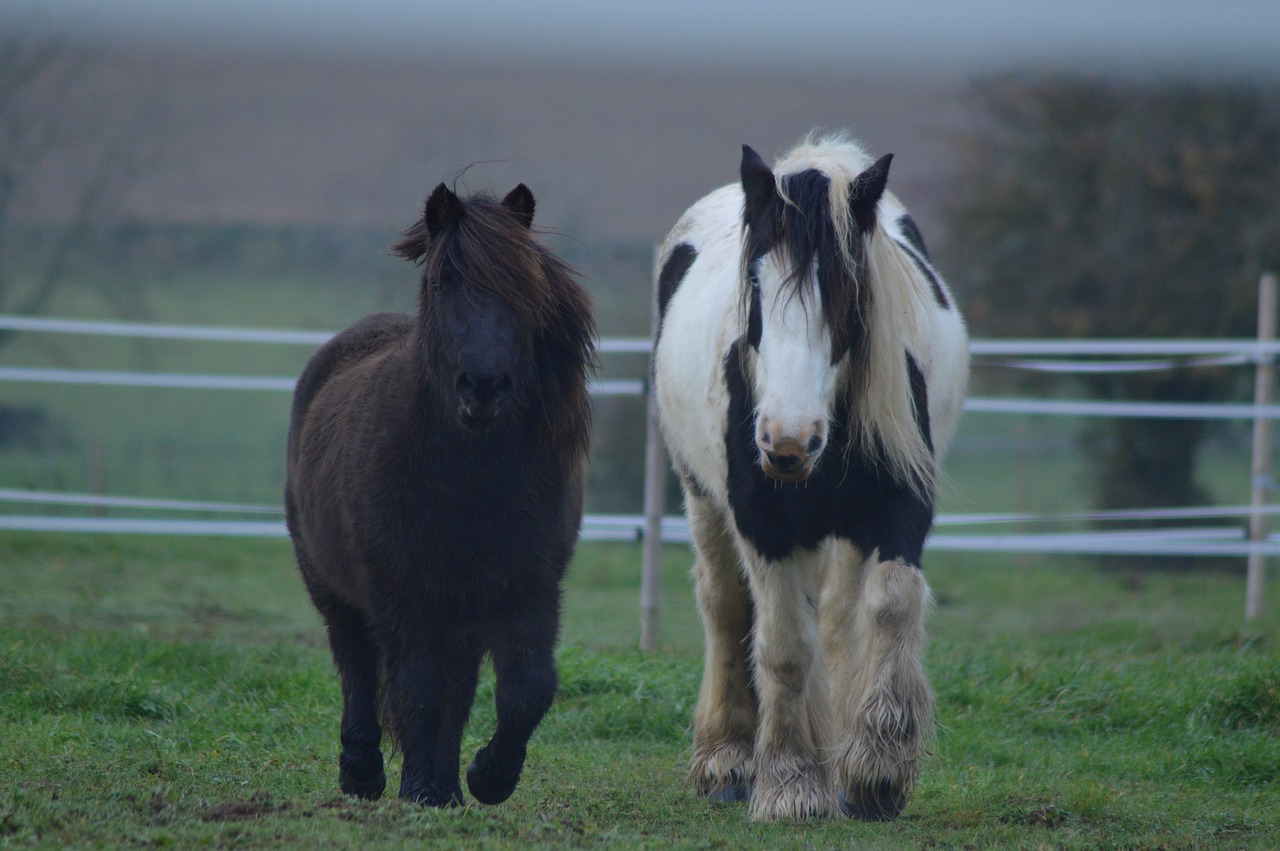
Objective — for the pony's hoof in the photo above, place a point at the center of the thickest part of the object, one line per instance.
(434, 795)
(361, 778)
(490, 782)
(874, 801)
(368, 790)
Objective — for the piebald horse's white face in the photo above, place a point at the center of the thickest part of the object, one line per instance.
(795, 380)
(803, 313)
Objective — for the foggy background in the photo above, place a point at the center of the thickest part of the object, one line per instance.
(616, 117)
(247, 163)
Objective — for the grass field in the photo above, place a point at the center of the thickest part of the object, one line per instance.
(177, 692)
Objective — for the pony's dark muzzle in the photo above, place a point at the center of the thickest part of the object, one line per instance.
(481, 397)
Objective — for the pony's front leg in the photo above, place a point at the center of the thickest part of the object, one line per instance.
(360, 768)
(724, 726)
(524, 665)
(419, 689)
(873, 624)
(792, 773)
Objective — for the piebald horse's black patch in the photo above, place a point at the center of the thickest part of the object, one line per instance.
(915, 249)
(911, 233)
(920, 400)
(755, 313)
(672, 274)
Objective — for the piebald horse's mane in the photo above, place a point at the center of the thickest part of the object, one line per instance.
(875, 301)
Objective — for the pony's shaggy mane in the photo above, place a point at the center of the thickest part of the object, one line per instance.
(875, 301)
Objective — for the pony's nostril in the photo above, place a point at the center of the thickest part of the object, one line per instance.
(815, 444)
(464, 385)
(482, 387)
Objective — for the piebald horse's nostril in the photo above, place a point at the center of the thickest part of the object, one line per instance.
(782, 462)
(815, 443)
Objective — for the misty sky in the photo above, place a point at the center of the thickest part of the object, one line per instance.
(1229, 37)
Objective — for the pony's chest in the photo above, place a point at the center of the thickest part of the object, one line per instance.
(487, 506)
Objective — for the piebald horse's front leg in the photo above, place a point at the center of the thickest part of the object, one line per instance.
(724, 726)
(793, 777)
(873, 632)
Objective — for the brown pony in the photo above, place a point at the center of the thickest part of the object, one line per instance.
(434, 494)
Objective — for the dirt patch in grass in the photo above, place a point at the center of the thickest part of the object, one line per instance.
(258, 805)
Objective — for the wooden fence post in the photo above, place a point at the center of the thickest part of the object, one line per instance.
(655, 491)
(1263, 382)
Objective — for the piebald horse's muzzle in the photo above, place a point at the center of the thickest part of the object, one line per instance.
(789, 457)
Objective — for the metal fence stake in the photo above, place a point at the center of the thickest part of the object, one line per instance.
(1263, 382)
(655, 481)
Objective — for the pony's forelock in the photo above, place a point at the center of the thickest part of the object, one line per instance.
(494, 250)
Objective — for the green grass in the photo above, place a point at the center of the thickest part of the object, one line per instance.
(177, 692)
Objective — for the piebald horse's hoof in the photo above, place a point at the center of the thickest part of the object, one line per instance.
(874, 801)
(734, 790)
(735, 794)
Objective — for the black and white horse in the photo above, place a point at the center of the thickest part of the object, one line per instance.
(810, 367)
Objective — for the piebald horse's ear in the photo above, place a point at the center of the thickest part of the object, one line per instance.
(520, 201)
(758, 184)
(865, 192)
(442, 208)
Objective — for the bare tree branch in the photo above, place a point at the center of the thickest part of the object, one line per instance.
(54, 135)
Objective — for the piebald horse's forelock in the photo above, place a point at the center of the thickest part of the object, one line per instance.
(494, 251)
(875, 302)
(804, 230)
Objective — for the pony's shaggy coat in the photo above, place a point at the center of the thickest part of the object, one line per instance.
(434, 494)
(810, 369)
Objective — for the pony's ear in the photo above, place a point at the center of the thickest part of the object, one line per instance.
(520, 201)
(865, 192)
(758, 183)
(443, 208)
